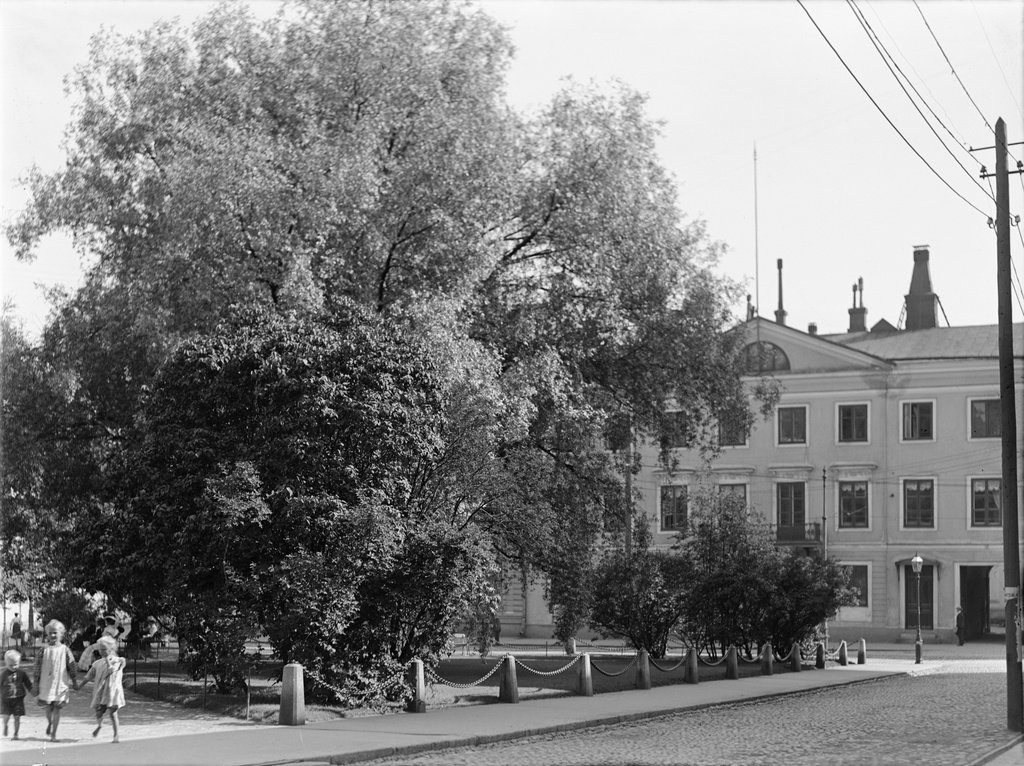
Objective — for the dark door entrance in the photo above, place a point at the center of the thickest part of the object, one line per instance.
(974, 600)
(927, 614)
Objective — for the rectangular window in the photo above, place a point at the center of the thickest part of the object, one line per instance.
(736, 490)
(986, 503)
(673, 507)
(918, 503)
(853, 504)
(678, 431)
(853, 422)
(792, 425)
(791, 504)
(918, 422)
(985, 419)
(731, 433)
(859, 582)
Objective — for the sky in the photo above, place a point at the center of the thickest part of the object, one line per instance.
(850, 176)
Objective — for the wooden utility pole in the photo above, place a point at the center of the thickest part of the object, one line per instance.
(1007, 403)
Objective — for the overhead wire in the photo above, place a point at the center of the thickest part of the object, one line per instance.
(996, 59)
(886, 59)
(882, 112)
(924, 83)
(951, 67)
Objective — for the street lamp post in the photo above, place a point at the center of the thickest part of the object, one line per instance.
(916, 563)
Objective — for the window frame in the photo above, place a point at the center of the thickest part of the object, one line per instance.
(721, 428)
(972, 510)
(971, 401)
(840, 441)
(685, 487)
(866, 566)
(778, 425)
(903, 503)
(777, 501)
(729, 486)
(904, 439)
(866, 526)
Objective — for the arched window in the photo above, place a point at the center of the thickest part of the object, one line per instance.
(764, 357)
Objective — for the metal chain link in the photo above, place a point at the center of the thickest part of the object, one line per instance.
(613, 675)
(709, 663)
(551, 672)
(437, 679)
(668, 670)
(371, 692)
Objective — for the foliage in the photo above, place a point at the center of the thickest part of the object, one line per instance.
(741, 590)
(351, 154)
(74, 608)
(813, 588)
(639, 595)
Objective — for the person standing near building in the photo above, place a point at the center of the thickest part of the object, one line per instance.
(960, 626)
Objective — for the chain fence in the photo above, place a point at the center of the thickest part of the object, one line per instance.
(549, 672)
(433, 676)
(609, 674)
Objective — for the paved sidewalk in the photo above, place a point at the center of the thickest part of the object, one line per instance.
(229, 742)
(359, 739)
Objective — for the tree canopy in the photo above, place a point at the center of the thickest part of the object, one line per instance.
(342, 158)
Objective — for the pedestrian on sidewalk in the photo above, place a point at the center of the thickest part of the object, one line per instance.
(14, 683)
(960, 626)
(55, 675)
(108, 694)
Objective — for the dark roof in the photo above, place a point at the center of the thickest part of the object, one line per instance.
(978, 342)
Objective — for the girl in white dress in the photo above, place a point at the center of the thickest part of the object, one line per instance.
(108, 694)
(54, 676)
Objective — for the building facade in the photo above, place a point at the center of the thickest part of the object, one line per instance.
(885, 444)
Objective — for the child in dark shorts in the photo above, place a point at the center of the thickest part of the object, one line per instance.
(14, 683)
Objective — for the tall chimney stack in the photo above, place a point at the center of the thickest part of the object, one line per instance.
(780, 313)
(921, 302)
(858, 314)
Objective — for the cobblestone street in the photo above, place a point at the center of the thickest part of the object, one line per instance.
(952, 717)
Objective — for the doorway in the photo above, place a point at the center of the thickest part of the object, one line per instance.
(910, 593)
(974, 600)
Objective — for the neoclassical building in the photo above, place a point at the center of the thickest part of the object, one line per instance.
(886, 443)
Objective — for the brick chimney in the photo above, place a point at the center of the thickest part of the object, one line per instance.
(858, 314)
(921, 302)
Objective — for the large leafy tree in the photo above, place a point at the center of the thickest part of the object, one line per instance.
(273, 491)
(363, 151)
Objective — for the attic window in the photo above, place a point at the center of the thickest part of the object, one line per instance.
(764, 357)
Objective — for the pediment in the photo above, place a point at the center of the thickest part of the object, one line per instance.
(803, 352)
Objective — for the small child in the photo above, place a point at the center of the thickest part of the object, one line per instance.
(55, 675)
(108, 694)
(13, 684)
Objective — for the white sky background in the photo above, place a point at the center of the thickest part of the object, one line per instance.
(840, 194)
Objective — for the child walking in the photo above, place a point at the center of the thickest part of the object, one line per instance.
(14, 682)
(108, 694)
(55, 675)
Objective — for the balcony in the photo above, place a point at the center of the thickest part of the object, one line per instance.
(798, 534)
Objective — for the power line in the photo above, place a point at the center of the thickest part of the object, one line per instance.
(998, 65)
(882, 112)
(951, 67)
(921, 80)
(886, 58)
